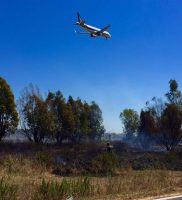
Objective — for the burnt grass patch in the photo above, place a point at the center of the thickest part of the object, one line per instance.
(91, 158)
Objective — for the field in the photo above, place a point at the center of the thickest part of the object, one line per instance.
(86, 171)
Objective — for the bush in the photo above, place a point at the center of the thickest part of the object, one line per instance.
(58, 191)
(7, 191)
(105, 163)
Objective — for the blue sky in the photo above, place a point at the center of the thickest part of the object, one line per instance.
(38, 45)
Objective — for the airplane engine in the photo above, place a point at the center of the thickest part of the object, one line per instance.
(93, 35)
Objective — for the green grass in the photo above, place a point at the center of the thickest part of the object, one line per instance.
(54, 190)
(7, 191)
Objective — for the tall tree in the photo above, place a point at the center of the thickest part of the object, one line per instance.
(88, 119)
(68, 122)
(63, 116)
(162, 121)
(36, 119)
(130, 120)
(147, 124)
(77, 109)
(8, 113)
(147, 128)
(56, 104)
(171, 122)
(84, 119)
(96, 122)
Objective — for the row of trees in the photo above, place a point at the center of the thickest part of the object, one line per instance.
(48, 118)
(55, 118)
(159, 121)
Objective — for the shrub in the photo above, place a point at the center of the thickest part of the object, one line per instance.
(7, 191)
(105, 163)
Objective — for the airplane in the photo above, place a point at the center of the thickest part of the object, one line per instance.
(92, 31)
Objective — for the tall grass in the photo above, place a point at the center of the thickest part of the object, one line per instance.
(7, 191)
(33, 184)
(52, 190)
(44, 158)
(12, 164)
(129, 185)
(133, 184)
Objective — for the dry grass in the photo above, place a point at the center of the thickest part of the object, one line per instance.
(26, 165)
(129, 184)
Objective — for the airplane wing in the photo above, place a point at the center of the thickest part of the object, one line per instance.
(102, 30)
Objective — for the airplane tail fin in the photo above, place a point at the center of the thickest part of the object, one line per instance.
(80, 20)
(79, 17)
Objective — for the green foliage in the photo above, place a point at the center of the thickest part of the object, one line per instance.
(105, 162)
(96, 122)
(36, 119)
(62, 114)
(7, 191)
(160, 122)
(174, 95)
(68, 121)
(88, 120)
(8, 113)
(56, 119)
(130, 120)
(79, 187)
(53, 190)
(80, 113)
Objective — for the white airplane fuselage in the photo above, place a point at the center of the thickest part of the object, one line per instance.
(92, 30)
